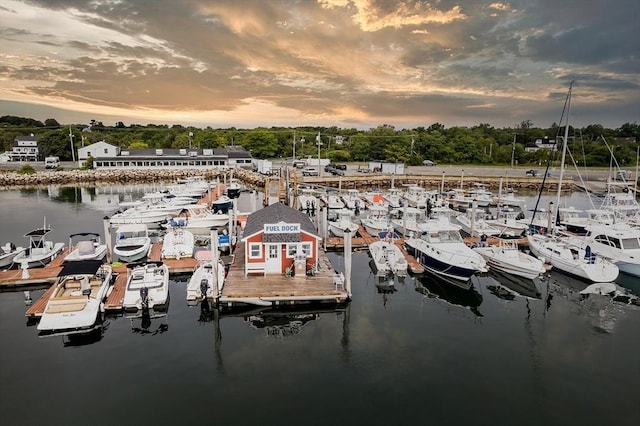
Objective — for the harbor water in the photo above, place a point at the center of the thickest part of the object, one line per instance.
(411, 351)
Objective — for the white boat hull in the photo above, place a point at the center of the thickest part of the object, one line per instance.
(512, 261)
(209, 276)
(155, 278)
(36, 258)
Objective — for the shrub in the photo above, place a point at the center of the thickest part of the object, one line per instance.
(27, 169)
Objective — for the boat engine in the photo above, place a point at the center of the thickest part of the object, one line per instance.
(144, 297)
(204, 286)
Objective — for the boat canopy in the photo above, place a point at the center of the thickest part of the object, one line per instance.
(85, 267)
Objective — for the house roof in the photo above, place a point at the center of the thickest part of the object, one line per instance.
(276, 213)
(30, 138)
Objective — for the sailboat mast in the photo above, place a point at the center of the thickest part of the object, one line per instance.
(564, 151)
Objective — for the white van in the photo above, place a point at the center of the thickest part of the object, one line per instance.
(51, 162)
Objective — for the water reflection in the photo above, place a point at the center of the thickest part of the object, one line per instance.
(83, 339)
(520, 285)
(436, 287)
(149, 322)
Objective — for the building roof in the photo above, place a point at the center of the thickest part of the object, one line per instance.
(276, 213)
(28, 138)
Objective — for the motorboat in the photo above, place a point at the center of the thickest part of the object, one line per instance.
(132, 242)
(352, 199)
(377, 219)
(408, 220)
(473, 223)
(139, 215)
(373, 198)
(619, 242)
(508, 258)
(147, 287)
(442, 251)
(87, 246)
(198, 219)
(233, 188)
(208, 278)
(417, 196)
(506, 221)
(223, 203)
(572, 260)
(343, 224)
(177, 243)
(308, 199)
(480, 195)
(7, 253)
(40, 251)
(75, 305)
(394, 197)
(388, 258)
(333, 201)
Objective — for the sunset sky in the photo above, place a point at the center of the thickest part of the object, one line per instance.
(344, 63)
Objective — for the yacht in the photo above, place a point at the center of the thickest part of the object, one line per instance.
(76, 303)
(442, 251)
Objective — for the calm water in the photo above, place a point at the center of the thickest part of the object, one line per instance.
(422, 354)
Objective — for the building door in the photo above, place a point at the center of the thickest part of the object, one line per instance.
(274, 265)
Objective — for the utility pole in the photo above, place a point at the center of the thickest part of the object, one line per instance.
(294, 145)
(73, 152)
(513, 150)
(319, 143)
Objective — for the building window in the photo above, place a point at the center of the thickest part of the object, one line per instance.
(106, 150)
(292, 249)
(306, 249)
(273, 251)
(255, 250)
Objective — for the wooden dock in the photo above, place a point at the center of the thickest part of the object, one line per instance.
(277, 289)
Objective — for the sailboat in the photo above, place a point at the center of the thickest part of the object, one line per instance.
(580, 262)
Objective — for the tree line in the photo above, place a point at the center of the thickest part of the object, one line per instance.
(483, 144)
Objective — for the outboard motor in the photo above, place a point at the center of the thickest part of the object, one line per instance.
(144, 297)
(204, 286)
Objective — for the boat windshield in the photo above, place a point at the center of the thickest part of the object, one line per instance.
(631, 243)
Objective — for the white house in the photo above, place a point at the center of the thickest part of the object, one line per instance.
(96, 150)
(25, 148)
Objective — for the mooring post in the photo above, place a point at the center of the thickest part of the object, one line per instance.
(107, 236)
(347, 262)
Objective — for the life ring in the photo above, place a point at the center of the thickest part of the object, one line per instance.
(541, 230)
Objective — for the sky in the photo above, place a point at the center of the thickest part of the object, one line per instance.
(345, 63)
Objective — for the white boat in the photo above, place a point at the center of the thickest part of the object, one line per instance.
(441, 250)
(177, 243)
(40, 251)
(388, 258)
(394, 198)
(377, 220)
(139, 215)
(7, 253)
(147, 287)
(222, 203)
(198, 219)
(572, 260)
(619, 242)
(506, 257)
(473, 223)
(333, 201)
(132, 242)
(75, 305)
(506, 221)
(352, 199)
(409, 221)
(480, 194)
(207, 280)
(233, 188)
(417, 196)
(308, 199)
(373, 198)
(86, 249)
(509, 198)
(343, 223)
(569, 259)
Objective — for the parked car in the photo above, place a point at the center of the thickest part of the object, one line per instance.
(309, 171)
(299, 164)
(532, 173)
(428, 163)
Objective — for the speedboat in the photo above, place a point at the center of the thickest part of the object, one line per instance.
(7, 253)
(222, 203)
(352, 199)
(388, 258)
(442, 251)
(86, 249)
(147, 287)
(409, 221)
(572, 260)
(177, 243)
(233, 188)
(343, 224)
(198, 219)
(207, 280)
(377, 219)
(40, 251)
(75, 305)
(132, 242)
(507, 258)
